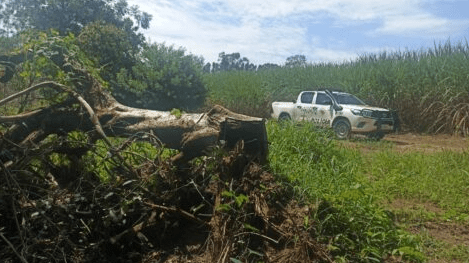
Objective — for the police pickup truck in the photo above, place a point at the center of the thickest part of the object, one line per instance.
(343, 112)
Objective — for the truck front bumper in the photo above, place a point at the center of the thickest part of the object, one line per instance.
(366, 125)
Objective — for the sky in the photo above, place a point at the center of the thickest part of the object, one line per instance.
(322, 30)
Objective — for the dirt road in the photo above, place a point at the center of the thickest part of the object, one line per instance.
(406, 142)
(449, 235)
(427, 143)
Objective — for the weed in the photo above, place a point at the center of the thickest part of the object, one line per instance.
(177, 113)
(439, 178)
(347, 217)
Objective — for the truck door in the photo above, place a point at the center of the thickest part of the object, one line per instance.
(304, 107)
(322, 110)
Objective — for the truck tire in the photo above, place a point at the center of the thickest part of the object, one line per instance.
(342, 129)
(284, 117)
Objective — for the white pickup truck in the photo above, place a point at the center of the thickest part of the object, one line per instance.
(343, 112)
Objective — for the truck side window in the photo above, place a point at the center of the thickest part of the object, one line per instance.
(323, 99)
(307, 97)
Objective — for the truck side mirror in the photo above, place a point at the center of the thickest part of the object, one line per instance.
(337, 107)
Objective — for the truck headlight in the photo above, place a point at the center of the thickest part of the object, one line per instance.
(364, 113)
(367, 113)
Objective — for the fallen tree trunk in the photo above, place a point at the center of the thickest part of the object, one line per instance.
(191, 133)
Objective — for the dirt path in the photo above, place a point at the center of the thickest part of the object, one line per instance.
(427, 143)
(408, 142)
(444, 235)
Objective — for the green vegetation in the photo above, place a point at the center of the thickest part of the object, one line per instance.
(311, 158)
(240, 91)
(438, 178)
(347, 217)
(420, 189)
(165, 78)
(108, 47)
(367, 202)
(428, 87)
(70, 16)
(352, 193)
(102, 37)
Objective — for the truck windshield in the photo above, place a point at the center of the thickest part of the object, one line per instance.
(344, 98)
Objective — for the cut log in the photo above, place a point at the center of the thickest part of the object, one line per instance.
(194, 134)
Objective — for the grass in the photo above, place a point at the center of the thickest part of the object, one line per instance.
(309, 156)
(366, 203)
(347, 216)
(420, 188)
(439, 178)
(231, 89)
(445, 252)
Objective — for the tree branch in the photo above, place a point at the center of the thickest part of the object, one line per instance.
(93, 117)
(194, 134)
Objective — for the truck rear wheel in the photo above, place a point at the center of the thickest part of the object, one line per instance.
(342, 129)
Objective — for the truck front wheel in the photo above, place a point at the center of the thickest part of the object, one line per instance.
(341, 129)
(284, 117)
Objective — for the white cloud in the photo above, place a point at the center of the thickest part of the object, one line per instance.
(423, 25)
(270, 31)
(178, 26)
(343, 9)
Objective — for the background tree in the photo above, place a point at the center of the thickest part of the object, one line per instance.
(207, 68)
(268, 66)
(155, 77)
(163, 78)
(70, 16)
(108, 47)
(296, 61)
(231, 61)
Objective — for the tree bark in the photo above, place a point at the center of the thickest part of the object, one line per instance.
(194, 134)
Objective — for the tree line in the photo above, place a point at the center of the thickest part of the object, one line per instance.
(233, 61)
(139, 74)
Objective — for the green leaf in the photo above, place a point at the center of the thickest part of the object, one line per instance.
(227, 194)
(250, 227)
(241, 199)
(224, 207)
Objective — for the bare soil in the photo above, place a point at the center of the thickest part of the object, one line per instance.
(409, 142)
(427, 143)
(441, 233)
(448, 232)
